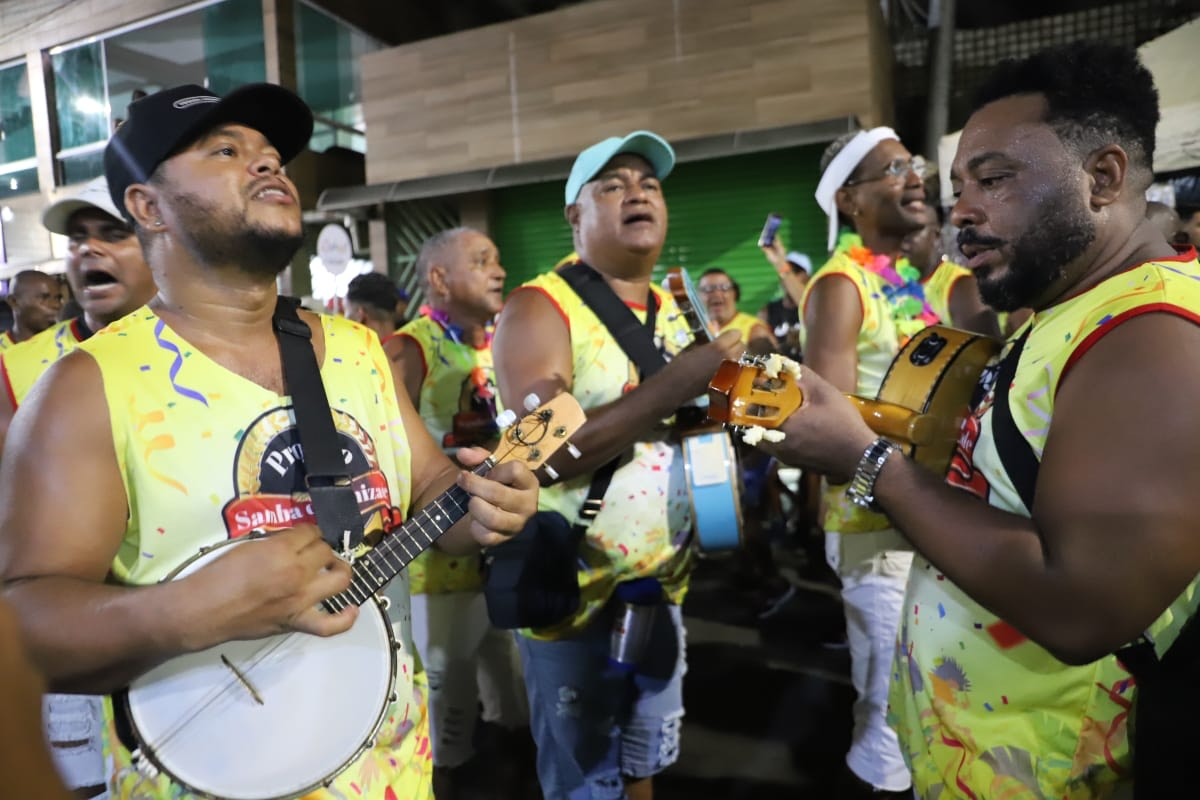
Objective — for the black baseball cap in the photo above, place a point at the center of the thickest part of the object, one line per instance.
(160, 125)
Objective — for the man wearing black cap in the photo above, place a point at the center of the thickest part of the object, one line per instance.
(172, 430)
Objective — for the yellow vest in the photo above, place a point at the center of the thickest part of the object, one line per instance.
(980, 710)
(939, 284)
(879, 339)
(23, 363)
(743, 323)
(206, 455)
(644, 528)
(458, 405)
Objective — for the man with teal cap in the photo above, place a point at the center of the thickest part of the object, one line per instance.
(607, 721)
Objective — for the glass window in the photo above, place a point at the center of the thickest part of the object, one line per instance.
(219, 46)
(18, 156)
(20, 181)
(328, 77)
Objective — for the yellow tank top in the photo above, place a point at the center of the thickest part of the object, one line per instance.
(207, 456)
(938, 286)
(458, 405)
(24, 363)
(980, 710)
(6, 340)
(879, 339)
(644, 528)
(743, 323)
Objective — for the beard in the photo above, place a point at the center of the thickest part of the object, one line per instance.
(1040, 257)
(215, 235)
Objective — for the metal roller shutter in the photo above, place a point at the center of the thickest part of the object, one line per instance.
(717, 209)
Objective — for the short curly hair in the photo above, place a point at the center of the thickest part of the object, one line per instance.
(1096, 94)
(376, 293)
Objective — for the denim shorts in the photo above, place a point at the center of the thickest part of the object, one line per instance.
(595, 725)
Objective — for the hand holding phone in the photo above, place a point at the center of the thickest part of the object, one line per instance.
(767, 237)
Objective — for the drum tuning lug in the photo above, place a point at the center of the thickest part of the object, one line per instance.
(393, 697)
(532, 401)
(385, 602)
(551, 471)
(573, 450)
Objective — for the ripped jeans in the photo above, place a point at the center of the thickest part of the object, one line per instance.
(595, 726)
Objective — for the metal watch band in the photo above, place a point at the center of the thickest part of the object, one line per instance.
(861, 490)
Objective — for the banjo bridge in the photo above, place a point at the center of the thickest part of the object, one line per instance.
(242, 679)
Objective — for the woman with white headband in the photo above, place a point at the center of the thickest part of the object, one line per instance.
(857, 311)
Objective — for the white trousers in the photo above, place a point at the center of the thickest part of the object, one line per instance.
(468, 662)
(874, 570)
(74, 723)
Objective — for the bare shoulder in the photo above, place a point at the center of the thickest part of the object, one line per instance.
(61, 430)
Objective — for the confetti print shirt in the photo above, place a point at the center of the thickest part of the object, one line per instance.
(207, 456)
(23, 363)
(458, 405)
(879, 339)
(981, 711)
(644, 528)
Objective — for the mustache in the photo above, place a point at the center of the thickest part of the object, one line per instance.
(968, 236)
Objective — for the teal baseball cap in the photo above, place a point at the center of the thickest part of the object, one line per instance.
(649, 146)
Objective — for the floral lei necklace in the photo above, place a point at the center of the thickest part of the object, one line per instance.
(903, 289)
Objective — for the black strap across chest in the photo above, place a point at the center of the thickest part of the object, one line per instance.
(329, 483)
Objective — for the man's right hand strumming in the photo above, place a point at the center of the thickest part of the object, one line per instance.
(285, 577)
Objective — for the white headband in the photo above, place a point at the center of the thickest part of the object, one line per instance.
(839, 169)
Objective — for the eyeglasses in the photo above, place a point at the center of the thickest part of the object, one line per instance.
(716, 287)
(897, 169)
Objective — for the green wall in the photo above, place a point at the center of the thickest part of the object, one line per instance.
(717, 209)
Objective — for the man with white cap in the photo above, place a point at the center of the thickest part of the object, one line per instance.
(605, 725)
(858, 310)
(108, 276)
(782, 315)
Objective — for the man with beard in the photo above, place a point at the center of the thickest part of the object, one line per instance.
(35, 300)
(604, 729)
(858, 310)
(171, 429)
(950, 288)
(1076, 533)
(107, 273)
(445, 356)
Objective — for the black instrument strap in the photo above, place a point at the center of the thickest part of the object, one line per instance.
(636, 339)
(329, 484)
(1020, 462)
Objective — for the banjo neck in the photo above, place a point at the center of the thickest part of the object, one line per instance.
(376, 568)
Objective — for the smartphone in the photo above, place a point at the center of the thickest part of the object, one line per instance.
(767, 237)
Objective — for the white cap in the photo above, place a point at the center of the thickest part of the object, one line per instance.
(800, 260)
(93, 195)
(839, 169)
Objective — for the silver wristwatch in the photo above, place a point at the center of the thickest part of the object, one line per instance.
(861, 490)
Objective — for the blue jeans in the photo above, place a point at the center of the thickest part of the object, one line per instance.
(594, 725)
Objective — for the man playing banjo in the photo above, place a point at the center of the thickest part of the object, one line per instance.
(173, 430)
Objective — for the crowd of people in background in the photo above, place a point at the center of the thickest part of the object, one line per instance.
(999, 618)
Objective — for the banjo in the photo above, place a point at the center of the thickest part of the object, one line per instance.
(209, 720)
